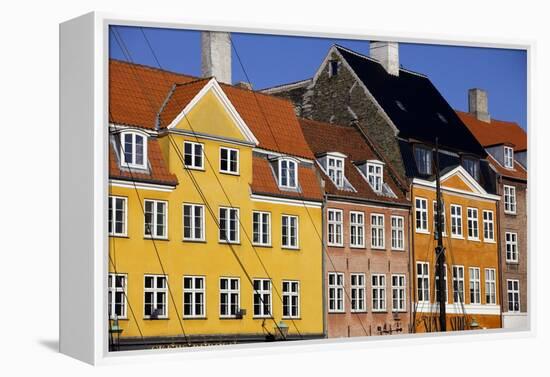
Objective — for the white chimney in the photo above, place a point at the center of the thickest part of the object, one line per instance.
(478, 104)
(216, 55)
(387, 54)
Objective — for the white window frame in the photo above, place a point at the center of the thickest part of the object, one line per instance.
(335, 227)
(227, 225)
(515, 294)
(510, 202)
(456, 221)
(262, 292)
(229, 170)
(376, 177)
(112, 216)
(229, 292)
(357, 229)
(423, 282)
(358, 293)
(378, 231)
(428, 159)
(474, 283)
(337, 288)
(332, 171)
(421, 212)
(397, 233)
(193, 225)
(472, 215)
(508, 157)
(195, 292)
(399, 293)
(133, 164)
(288, 184)
(512, 247)
(289, 295)
(113, 290)
(490, 286)
(155, 291)
(260, 233)
(488, 226)
(378, 293)
(444, 233)
(154, 222)
(458, 282)
(288, 244)
(436, 285)
(193, 155)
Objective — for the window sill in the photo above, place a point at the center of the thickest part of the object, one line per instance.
(422, 231)
(458, 237)
(156, 238)
(342, 312)
(358, 311)
(335, 245)
(199, 318)
(291, 318)
(359, 247)
(156, 319)
(489, 241)
(262, 245)
(290, 248)
(512, 262)
(193, 168)
(474, 239)
(193, 241)
(118, 236)
(378, 248)
(510, 213)
(234, 174)
(229, 242)
(398, 250)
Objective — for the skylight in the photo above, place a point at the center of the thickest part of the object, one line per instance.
(442, 118)
(400, 105)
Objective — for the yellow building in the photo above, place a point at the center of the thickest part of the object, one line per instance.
(470, 238)
(214, 213)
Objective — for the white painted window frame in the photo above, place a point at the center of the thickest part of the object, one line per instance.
(229, 292)
(335, 227)
(332, 171)
(474, 284)
(193, 155)
(399, 293)
(112, 204)
(357, 288)
(472, 215)
(229, 171)
(377, 181)
(508, 157)
(227, 224)
(260, 232)
(358, 227)
(155, 291)
(490, 286)
(113, 289)
(287, 185)
(511, 243)
(337, 288)
(379, 303)
(422, 214)
(397, 233)
(515, 292)
(423, 282)
(378, 231)
(193, 227)
(194, 291)
(154, 220)
(288, 244)
(262, 292)
(510, 200)
(488, 226)
(289, 294)
(133, 164)
(458, 279)
(456, 221)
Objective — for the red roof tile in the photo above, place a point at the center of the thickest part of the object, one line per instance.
(517, 172)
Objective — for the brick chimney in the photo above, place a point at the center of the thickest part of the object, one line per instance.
(387, 54)
(216, 55)
(478, 104)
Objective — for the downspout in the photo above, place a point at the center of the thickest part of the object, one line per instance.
(323, 264)
(499, 252)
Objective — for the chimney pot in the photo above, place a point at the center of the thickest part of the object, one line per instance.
(387, 54)
(478, 104)
(216, 55)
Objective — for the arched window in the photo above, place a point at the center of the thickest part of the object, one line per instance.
(288, 173)
(134, 149)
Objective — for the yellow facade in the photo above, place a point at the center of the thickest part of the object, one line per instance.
(460, 250)
(135, 255)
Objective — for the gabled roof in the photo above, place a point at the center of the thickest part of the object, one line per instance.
(324, 137)
(495, 131)
(413, 104)
(518, 172)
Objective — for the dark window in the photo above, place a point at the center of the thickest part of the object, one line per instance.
(423, 157)
(333, 67)
(472, 166)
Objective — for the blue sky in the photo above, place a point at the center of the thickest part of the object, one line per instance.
(272, 60)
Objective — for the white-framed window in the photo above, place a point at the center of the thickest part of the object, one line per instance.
(377, 231)
(229, 160)
(421, 214)
(472, 166)
(508, 157)
(513, 295)
(289, 234)
(509, 199)
(399, 295)
(356, 229)
(335, 170)
(436, 285)
(375, 174)
(118, 215)
(156, 213)
(134, 150)
(475, 285)
(193, 155)
(155, 296)
(423, 157)
(194, 297)
(335, 292)
(358, 296)
(378, 292)
(512, 254)
(230, 296)
(490, 286)
(423, 281)
(488, 226)
(288, 173)
(443, 218)
(262, 298)
(193, 222)
(398, 233)
(291, 299)
(458, 284)
(335, 226)
(117, 295)
(261, 228)
(229, 225)
(473, 223)
(456, 221)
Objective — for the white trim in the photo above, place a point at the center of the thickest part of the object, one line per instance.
(229, 150)
(113, 289)
(515, 203)
(480, 309)
(203, 227)
(155, 291)
(141, 185)
(273, 154)
(193, 155)
(289, 246)
(291, 202)
(358, 225)
(296, 164)
(426, 211)
(228, 222)
(218, 91)
(154, 218)
(113, 233)
(134, 133)
(378, 228)
(269, 241)
(291, 294)
(336, 288)
(115, 128)
(381, 298)
(492, 222)
(228, 291)
(397, 230)
(193, 291)
(336, 224)
(476, 219)
(262, 292)
(358, 287)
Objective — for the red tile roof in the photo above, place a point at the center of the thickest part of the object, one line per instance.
(495, 132)
(325, 137)
(517, 172)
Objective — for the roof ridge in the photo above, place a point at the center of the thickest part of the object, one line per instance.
(510, 122)
(150, 67)
(336, 125)
(285, 84)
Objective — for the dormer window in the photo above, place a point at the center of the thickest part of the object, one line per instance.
(423, 157)
(508, 157)
(288, 173)
(134, 150)
(335, 170)
(375, 173)
(472, 166)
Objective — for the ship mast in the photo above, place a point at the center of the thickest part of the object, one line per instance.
(440, 250)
